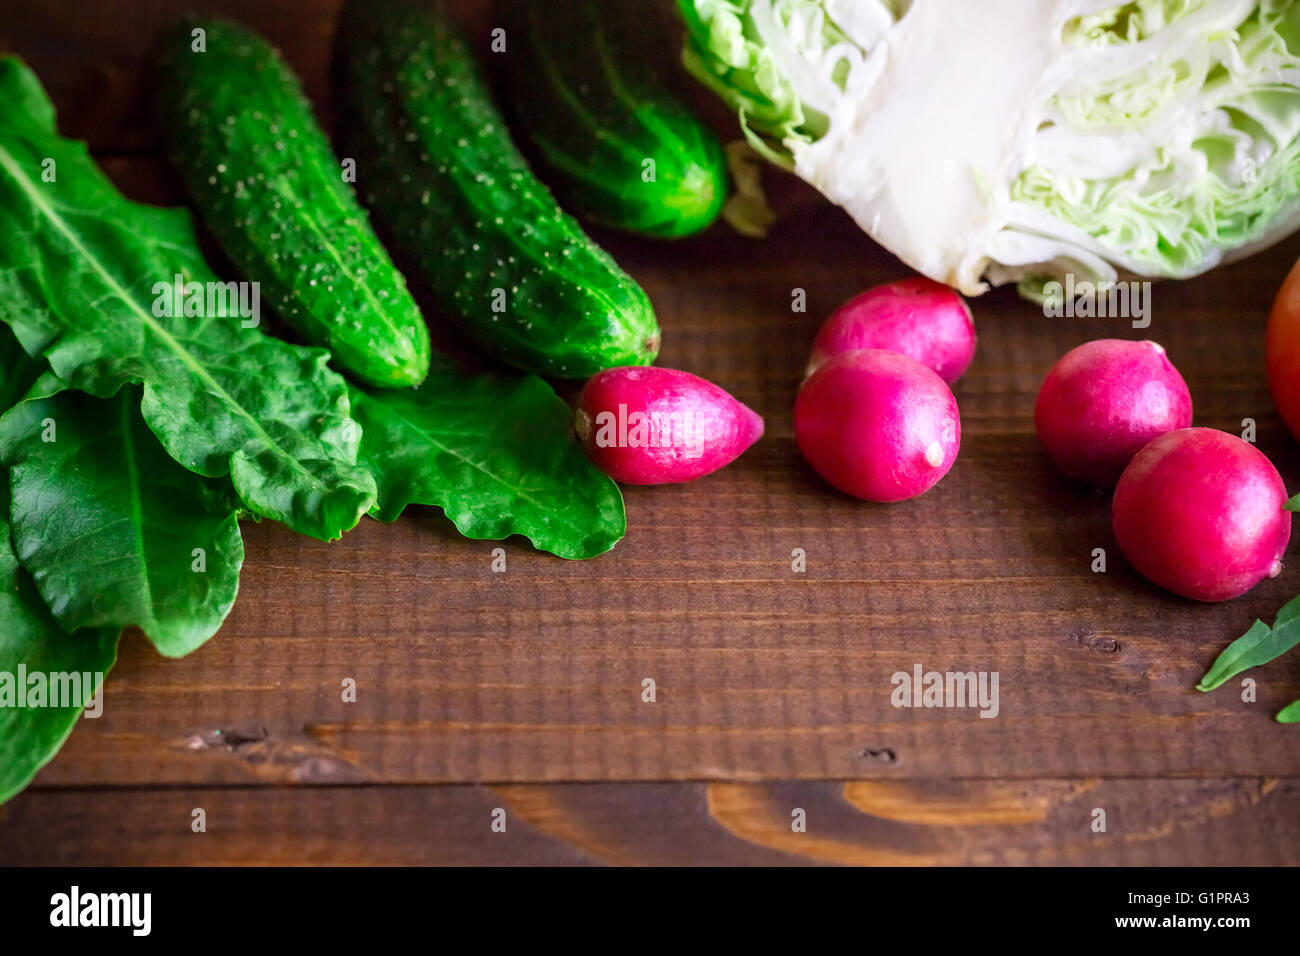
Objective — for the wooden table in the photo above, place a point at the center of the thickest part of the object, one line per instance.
(523, 690)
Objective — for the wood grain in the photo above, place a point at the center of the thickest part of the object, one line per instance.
(1037, 822)
(535, 674)
(772, 686)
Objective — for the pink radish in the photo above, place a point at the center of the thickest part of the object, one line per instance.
(877, 425)
(1103, 401)
(649, 426)
(920, 318)
(1199, 512)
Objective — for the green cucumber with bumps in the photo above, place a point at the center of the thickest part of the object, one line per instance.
(616, 146)
(261, 173)
(438, 169)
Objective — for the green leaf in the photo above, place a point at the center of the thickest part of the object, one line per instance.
(28, 102)
(1292, 504)
(31, 639)
(1290, 714)
(18, 371)
(113, 531)
(1257, 646)
(497, 454)
(82, 273)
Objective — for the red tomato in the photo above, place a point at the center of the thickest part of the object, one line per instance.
(1282, 351)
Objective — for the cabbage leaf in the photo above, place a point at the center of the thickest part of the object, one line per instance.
(1025, 140)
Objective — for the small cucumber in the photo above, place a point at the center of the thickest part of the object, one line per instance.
(617, 147)
(438, 168)
(265, 181)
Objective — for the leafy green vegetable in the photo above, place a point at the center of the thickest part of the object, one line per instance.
(32, 640)
(1131, 22)
(750, 53)
(1006, 141)
(1290, 714)
(497, 454)
(112, 530)
(18, 372)
(109, 524)
(83, 278)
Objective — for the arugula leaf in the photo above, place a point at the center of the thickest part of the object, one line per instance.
(79, 264)
(112, 530)
(1290, 714)
(1257, 646)
(496, 452)
(29, 636)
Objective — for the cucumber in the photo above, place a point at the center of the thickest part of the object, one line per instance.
(265, 181)
(438, 168)
(615, 145)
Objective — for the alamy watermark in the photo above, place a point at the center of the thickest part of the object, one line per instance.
(955, 689)
(208, 299)
(133, 911)
(624, 429)
(1098, 300)
(39, 689)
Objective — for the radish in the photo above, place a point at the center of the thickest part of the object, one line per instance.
(920, 318)
(877, 425)
(647, 426)
(1199, 512)
(1103, 401)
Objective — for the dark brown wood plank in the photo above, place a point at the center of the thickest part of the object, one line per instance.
(873, 823)
(535, 674)
(764, 675)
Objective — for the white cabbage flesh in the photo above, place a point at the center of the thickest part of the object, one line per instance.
(1023, 140)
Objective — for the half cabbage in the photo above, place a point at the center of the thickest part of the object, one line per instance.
(1025, 140)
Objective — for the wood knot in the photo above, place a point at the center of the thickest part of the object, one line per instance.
(880, 755)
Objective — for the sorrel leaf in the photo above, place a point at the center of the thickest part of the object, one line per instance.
(496, 453)
(31, 641)
(80, 273)
(112, 530)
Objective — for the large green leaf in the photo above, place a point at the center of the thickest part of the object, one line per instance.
(497, 454)
(79, 264)
(32, 640)
(113, 531)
